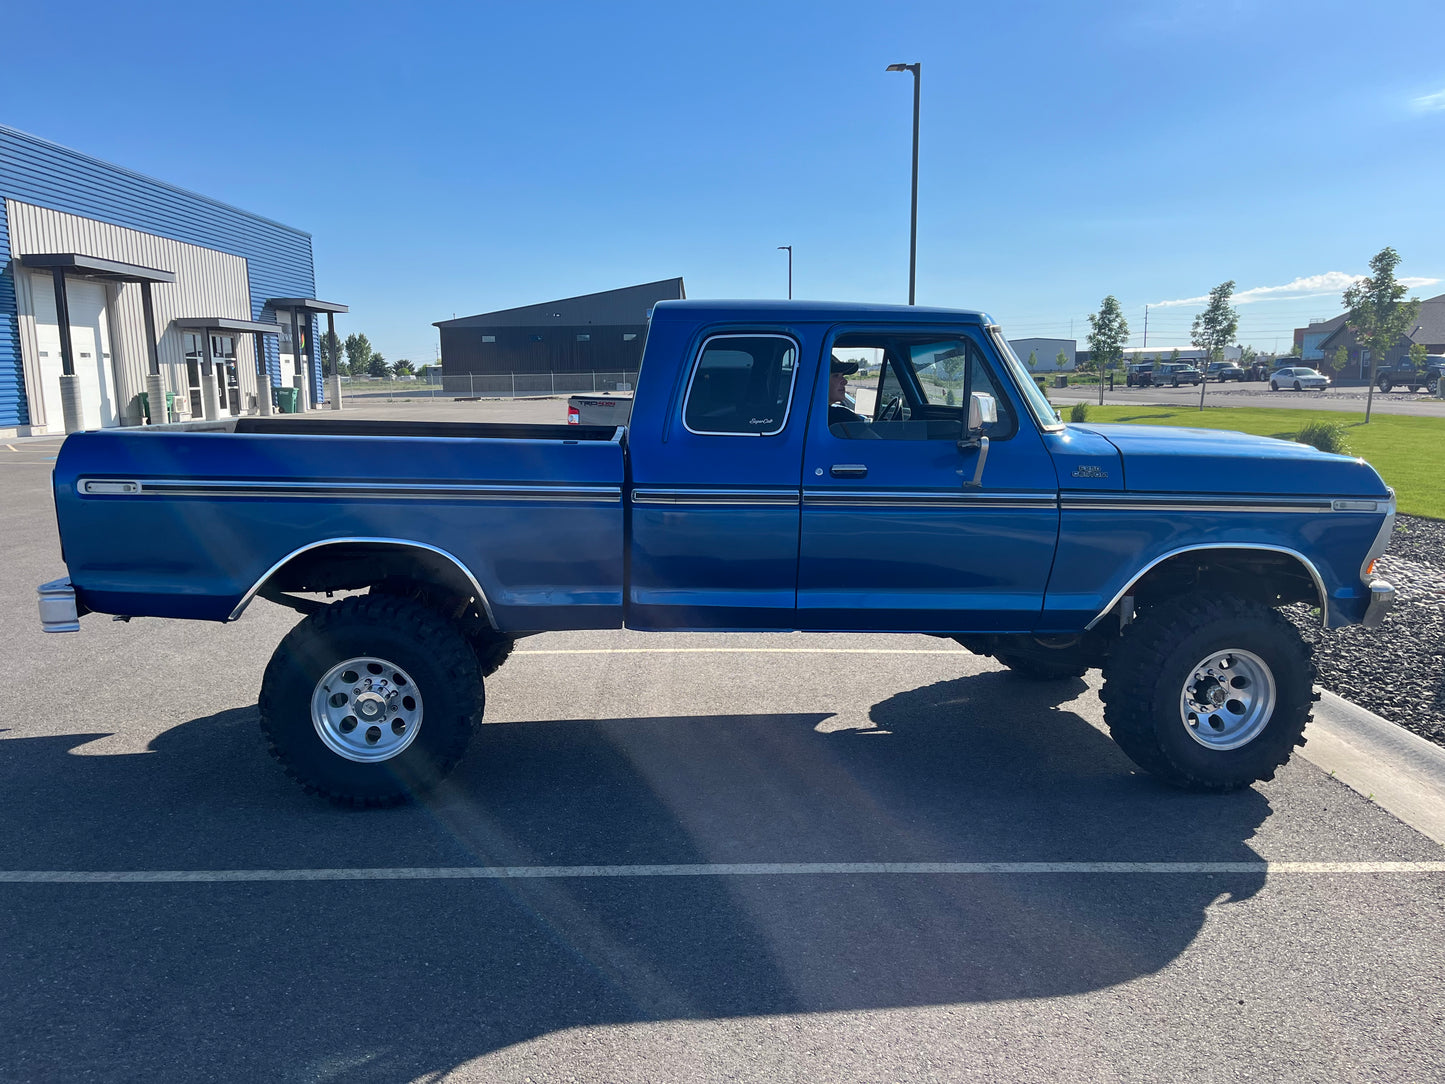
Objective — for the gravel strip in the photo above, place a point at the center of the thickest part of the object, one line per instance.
(1398, 670)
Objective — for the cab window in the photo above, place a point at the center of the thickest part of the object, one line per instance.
(742, 385)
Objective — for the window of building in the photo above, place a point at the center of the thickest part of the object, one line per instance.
(628, 336)
(489, 338)
(195, 355)
(584, 338)
(742, 386)
(535, 338)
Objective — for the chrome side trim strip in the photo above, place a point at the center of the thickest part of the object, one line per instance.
(1130, 502)
(715, 496)
(1301, 558)
(192, 487)
(859, 498)
(399, 542)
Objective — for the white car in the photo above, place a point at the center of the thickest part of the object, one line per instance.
(1298, 379)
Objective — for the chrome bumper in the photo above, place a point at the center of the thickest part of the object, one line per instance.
(58, 611)
(1382, 601)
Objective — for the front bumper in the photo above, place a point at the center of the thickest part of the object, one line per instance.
(59, 611)
(1382, 601)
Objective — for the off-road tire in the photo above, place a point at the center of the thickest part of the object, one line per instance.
(1029, 668)
(1385, 386)
(492, 647)
(1148, 671)
(433, 652)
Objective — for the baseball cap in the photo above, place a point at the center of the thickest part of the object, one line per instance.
(848, 368)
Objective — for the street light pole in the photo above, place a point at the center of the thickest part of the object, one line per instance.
(790, 268)
(917, 70)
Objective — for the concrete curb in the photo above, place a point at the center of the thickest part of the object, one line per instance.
(1399, 771)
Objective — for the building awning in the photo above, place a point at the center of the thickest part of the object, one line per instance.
(77, 263)
(305, 304)
(227, 323)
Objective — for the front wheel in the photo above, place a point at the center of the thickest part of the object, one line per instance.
(1385, 385)
(1209, 693)
(1297, 386)
(1273, 386)
(371, 701)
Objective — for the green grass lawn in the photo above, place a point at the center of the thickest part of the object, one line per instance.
(1408, 451)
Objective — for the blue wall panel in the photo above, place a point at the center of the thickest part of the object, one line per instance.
(13, 408)
(33, 170)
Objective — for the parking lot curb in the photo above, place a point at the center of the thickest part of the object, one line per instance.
(1399, 771)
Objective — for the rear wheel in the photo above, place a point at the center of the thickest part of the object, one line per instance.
(1297, 386)
(1209, 693)
(492, 647)
(371, 701)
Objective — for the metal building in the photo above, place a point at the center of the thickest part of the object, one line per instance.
(600, 332)
(118, 291)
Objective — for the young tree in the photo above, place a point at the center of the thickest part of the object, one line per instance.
(1033, 359)
(1215, 328)
(1174, 354)
(1338, 360)
(1061, 360)
(1296, 351)
(1247, 356)
(1108, 332)
(1418, 353)
(1379, 315)
(403, 368)
(377, 367)
(358, 353)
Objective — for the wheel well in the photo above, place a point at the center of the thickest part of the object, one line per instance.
(353, 565)
(1268, 576)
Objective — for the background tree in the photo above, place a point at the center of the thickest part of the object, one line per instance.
(1379, 314)
(1108, 332)
(1418, 353)
(1174, 354)
(358, 353)
(1061, 360)
(1033, 359)
(1338, 360)
(1247, 356)
(403, 368)
(330, 353)
(1215, 328)
(378, 367)
(1296, 351)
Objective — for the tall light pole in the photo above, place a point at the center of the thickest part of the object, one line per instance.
(917, 70)
(790, 268)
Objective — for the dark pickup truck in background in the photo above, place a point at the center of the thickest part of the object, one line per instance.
(742, 495)
(1404, 375)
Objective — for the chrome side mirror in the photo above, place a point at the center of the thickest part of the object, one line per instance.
(982, 410)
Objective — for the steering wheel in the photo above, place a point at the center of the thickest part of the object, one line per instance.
(891, 410)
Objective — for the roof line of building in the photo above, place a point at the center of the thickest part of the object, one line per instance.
(152, 180)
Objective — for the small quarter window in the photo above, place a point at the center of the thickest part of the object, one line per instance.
(742, 386)
(489, 338)
(584, 338)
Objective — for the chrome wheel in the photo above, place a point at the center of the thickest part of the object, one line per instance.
(366, 709)
(1228, 698)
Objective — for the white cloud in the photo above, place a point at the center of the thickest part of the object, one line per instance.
(1329, 284)
(1430, 103)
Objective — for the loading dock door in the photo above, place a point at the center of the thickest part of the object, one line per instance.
(90, 338)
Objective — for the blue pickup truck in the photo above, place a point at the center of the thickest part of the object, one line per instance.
(741, 496)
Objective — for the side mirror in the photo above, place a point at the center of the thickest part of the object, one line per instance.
(982, 410)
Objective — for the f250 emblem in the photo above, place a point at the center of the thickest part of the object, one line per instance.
(1090, 472)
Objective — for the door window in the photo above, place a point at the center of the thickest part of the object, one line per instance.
(195, 357)
(921, 389)
(742, 386)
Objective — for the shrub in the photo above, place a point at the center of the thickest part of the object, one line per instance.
(1079, 412)
(1326, 436)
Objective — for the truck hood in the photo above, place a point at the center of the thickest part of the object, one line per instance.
(1163, 459)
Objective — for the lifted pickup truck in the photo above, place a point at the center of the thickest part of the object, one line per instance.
(742, 496)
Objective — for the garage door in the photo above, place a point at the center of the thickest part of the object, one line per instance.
(90, 338)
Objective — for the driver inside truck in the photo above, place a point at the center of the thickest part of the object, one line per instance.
(838, 410)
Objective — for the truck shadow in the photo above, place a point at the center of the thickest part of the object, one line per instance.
(398, 978)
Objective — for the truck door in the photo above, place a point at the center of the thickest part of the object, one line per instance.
(895, 535)
(715, 501)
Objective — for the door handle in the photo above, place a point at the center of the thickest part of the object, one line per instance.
(848, 470)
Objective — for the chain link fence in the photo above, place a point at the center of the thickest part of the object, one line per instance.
(518, 385)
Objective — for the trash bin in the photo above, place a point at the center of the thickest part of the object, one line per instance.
(145, 406)
(1061, 381)
(287, 399)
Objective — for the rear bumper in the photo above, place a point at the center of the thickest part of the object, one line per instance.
(59, 611)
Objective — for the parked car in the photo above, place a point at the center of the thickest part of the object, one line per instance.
(1299, 379)
(958, 504)
(1222, 371)
(1175, 373)
(1425, 378)
(1139, 375)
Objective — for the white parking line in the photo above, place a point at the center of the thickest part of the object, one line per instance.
(744, 651)
(747, 869)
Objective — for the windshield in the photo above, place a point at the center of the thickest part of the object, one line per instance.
(1038, 402)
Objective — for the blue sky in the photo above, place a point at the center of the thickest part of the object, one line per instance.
(458, 158)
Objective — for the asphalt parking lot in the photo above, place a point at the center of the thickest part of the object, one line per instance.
(692, 857)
